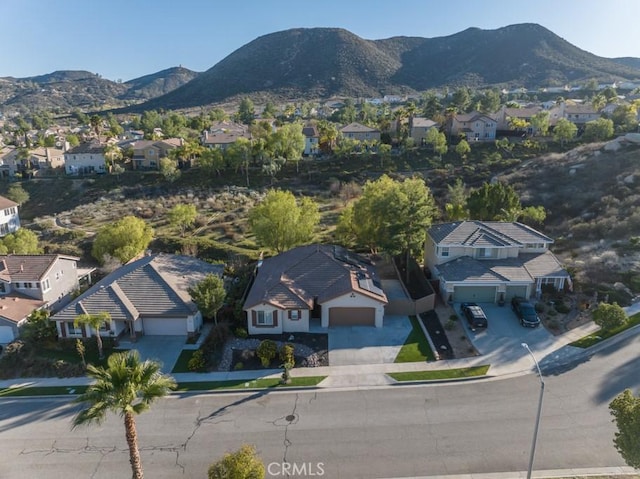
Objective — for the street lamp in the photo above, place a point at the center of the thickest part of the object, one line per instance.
(535, 431)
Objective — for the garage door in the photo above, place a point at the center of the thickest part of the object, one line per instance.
(165, 326)
(6, 334)
(477, 294)
(516, 291)
(352, 317)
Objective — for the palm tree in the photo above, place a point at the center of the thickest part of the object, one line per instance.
(127, 387)
(95, 321)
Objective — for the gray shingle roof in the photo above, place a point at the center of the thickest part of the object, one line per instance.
(294, 278)
(28, 267)
(485, 233)
(357, 128)
(152, 286)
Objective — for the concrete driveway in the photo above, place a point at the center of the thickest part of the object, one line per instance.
(350, 345)
(164, 349)
(501, 342)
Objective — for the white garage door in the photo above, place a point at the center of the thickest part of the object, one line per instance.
(476, 294)
(165, 326)
(6, 334)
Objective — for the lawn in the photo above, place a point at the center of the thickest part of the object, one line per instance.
(416, 348)
(441, 374)
(265, 383)
(182, 364)
(601, 335)
(42, 391)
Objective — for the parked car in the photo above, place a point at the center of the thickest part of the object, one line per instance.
(526, 312)
(475, 315)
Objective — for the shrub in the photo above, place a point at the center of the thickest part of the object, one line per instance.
(450, 324)
(266, 351)
(562, 308)
(197, 362)
(239, 366)
(241, 333)
(609, 316)
(241, 464)
(287, 354)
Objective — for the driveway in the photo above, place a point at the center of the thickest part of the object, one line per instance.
(164, 349)
(349, 345)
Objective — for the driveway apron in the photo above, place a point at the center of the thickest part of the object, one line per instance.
(164, 349)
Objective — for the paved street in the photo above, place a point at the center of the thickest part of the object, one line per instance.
(483, 426)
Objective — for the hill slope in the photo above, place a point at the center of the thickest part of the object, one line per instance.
(157, 84)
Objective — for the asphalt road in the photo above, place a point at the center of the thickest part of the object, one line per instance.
(481, 426)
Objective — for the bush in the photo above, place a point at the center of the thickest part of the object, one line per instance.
(562, 308)
(266, 351)
(287, 354)
(15, 351)
(197, 362)
(241, 333)
(239, 366)
(609, 316)
(449, 325)
(241, 464)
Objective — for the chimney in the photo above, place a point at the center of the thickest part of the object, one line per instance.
(22, 267)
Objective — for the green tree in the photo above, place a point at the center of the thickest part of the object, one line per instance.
(209, 295)
(625, 118)
(17, 193)
(123, 239)
(384, 152)
(23, 241)
(490, 202)
(38, 328)
(625, 409)
(269, 110)
(238, 155)
(73, 140)
(241, 464)
(246, 111)
(564, 130)
(182, 217)
(94, 321)
(437, 140)
(211, 161)
(280, 222)
(112, 154)
(456, 206)
(463, 149)
(609, 316)
(266, 351)
(169, 169)
(598, 130)
(127, 386)
(461, 99)
(540, 123)
(288, 143)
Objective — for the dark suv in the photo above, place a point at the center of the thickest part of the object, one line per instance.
(475, 315)
(526, 312)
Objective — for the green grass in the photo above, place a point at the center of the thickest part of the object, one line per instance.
(460, 373)
(42, 391)
(601, 335)
(182, 364)
(416, 348)
(264, 383)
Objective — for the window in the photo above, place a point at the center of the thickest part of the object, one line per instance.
(28, 285)
(485, 253)
(443, 250)
(17, 285)
(72, 329)
(4, 229)
(46, 286)
(105, 326)
(3, 287)
(264, 319)
(294, 315)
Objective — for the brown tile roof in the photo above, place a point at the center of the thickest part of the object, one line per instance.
(357, 128)
(15, 307)
(28, 267)
(6, 203)
(294, 278)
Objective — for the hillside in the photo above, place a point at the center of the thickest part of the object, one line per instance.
(157, 84)
(321, 62)
(631, 62)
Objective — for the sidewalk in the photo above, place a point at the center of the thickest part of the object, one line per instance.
(371, 375)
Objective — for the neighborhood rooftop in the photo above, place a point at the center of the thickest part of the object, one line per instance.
(486, 233)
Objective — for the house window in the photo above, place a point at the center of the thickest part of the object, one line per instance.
(28, 285)
(4, 229)
(264, 319)
(72, 329)
(294, 315)
(105, 326)
(485, 253)
(443, 250)
(46, 286)
(3, 287)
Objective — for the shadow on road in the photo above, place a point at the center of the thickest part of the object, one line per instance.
(20, 411)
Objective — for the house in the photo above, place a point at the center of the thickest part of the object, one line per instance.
(46, 158)
(420, 127)
(321, 282)
(473, 126)
(9, 161)
(146, 296)
(505, 115)
(148, 153)
(578, 114)
(356, 131)
(31, 282)
(9, 217)
(222, 134)
(311, 140)
(490, 261)
(86, 158)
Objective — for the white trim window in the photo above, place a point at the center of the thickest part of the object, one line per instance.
(294, 315)
(264, 319)
(72, 329)
(443, 251)
(46, 285)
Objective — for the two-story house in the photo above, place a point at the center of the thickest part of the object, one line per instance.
(31, 282)
(9, 217)
(46, 158)
(356, 131)
(505, 116)
(473, 126)
(222, 134)
(576, 113)
(84, 159)
(9, 161)
(490, 261)
(148, 153)
(311, 140)
(419, 128)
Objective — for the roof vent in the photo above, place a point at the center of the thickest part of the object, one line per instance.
(22, 267)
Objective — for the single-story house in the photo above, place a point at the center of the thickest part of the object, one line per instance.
(491, 261)
(322, 282)
(146, 296)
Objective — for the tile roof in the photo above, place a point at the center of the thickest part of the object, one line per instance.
(153, 286)
(15, 307)
(293, 279)
(28, 267)
(89, 147)
(473, 116)
(419, 122)
(527, 267)
(357, 128)
(6, 203)
(485, 233)
(310, 131)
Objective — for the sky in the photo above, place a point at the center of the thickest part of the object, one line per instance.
(127, 39)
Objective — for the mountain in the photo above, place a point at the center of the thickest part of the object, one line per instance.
(631, 62)
(66, 90)
(157, 84)
(321, 62)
